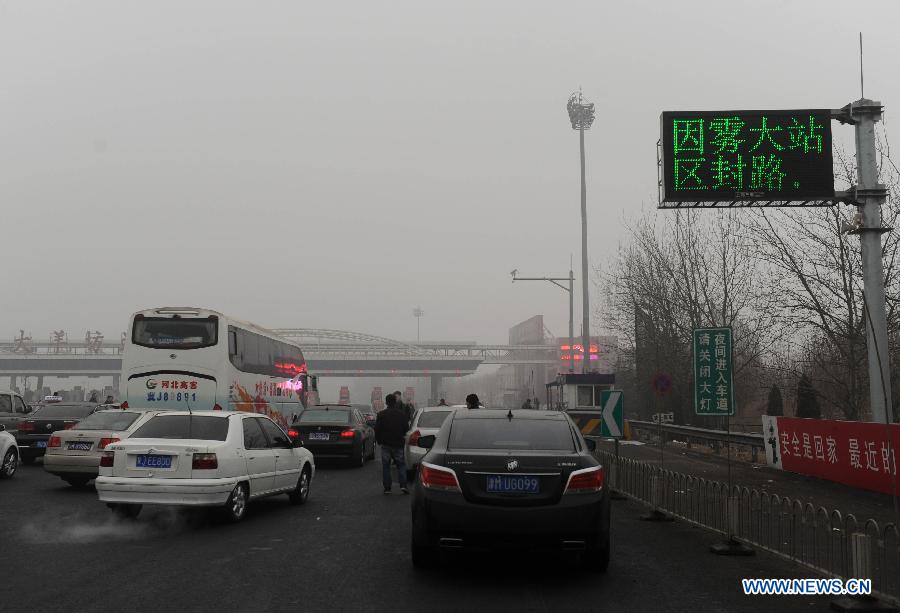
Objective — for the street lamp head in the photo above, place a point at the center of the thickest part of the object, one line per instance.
(581, 112)
(513, 273)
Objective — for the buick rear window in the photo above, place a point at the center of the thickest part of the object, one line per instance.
(107, 420)
(171, 333)
(432, 419)
(515, 434)
(332, 416)
(184, 427)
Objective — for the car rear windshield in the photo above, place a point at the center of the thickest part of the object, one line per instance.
(170, 333)
(432, 419)
(184, 427)
(329, 416)
(107, 420)
(537, 434)
(60, 411)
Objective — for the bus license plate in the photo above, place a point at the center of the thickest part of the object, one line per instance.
(512, 484)
(153, 461)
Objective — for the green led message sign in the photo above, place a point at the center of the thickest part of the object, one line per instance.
(723, 156)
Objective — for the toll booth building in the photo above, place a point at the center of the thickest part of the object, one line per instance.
(580, 396)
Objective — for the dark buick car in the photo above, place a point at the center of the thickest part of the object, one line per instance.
(34, 432)
(517, 479)
(335, 431)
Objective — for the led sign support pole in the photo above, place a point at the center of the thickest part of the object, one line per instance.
(869, 197)
(556, 281)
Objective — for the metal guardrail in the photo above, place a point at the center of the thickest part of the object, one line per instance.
(714, 438)
(825, 541)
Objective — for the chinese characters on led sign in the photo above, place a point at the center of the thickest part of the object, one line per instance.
(747, 155)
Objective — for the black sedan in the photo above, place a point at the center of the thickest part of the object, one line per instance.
(34, 432)
(510, 479)
(335, 431)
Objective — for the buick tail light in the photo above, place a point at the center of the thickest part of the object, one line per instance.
(106, 460)
(585, 481)
(205, 461)
(438, 478)
(347, 434)
(414, 438)
(106, 441)
(54, 441)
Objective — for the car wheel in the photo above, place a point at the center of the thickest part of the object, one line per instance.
(10, 464)
(361, 460)
(76, 481)
(126, 511)
(372, 454)
(236, 506)
(28, 460)
(423, 554)
(301, 492)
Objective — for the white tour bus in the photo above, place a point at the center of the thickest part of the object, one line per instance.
(183, 358)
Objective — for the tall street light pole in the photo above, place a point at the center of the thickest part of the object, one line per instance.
(581, 115)
(571, 289)
(418, 313)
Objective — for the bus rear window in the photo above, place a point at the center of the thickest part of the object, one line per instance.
(170, 333)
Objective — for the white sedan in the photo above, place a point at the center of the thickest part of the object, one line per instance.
(205, 458)
(9, 454)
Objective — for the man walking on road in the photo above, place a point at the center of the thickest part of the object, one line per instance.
(390, 428)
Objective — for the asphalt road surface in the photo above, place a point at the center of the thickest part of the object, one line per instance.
(346, 550)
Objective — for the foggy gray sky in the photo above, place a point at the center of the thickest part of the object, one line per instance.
(335, 164)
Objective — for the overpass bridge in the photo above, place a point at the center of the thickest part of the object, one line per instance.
(330, 353)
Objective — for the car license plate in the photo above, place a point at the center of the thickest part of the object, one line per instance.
(512, 484)
(153, 461)
(80, 446)
(41, 444)
(318, 436)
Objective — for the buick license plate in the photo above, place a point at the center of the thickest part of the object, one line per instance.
(318, 436)
(80, 446)
(512, 484)
(153, 461)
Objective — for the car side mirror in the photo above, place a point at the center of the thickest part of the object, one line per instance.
(591, 444)
(426, 442)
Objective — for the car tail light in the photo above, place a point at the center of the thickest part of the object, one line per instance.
(106, 441)
(438, 478)
(585, 481)
(26, 426)
(348, 434)
(293, 433)
(54, 441)
(68, 425)
(205, 461)
(216, 407)
(106, 460)
(124, 405)
(414, 438)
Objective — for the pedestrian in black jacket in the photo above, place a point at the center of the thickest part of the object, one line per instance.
(390, 429)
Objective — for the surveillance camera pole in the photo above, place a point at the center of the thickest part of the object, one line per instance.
(571, 289)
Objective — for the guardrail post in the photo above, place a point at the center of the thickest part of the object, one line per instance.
(657, 499)
(731, 546)
(861, 567)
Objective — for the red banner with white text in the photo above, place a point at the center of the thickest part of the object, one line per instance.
(859, 454)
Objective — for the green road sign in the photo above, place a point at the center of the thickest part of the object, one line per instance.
(612, 405)
(713, 372)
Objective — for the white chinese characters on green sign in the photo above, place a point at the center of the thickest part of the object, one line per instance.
(713, 372)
